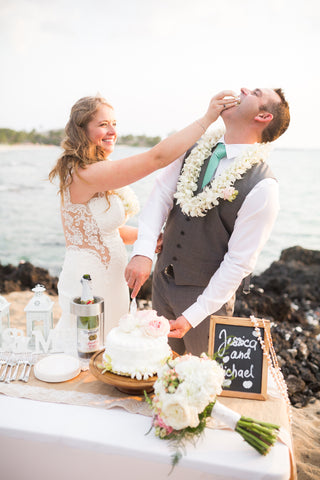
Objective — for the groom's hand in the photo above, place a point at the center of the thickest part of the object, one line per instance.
(137, 272)
(179, 327)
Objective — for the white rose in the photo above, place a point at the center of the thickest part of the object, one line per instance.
(142, 316)
(202, 379)
(177, 414)
(127, 323)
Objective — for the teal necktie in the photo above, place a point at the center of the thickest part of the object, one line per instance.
(219, 152)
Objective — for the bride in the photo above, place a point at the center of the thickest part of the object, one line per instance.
(95, 202)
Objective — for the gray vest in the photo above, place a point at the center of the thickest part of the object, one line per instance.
(195, 246)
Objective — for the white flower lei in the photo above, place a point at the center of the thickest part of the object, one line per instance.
(221, 186)
(129, 200)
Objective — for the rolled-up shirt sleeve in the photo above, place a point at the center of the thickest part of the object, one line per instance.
(252, 229)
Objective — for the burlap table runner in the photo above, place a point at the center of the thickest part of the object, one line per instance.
(85, 389)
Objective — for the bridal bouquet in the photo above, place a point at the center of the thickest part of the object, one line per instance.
(185, 396)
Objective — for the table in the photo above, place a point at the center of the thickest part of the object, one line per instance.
(51, 441)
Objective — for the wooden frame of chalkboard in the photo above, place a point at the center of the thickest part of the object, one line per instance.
(234, 343)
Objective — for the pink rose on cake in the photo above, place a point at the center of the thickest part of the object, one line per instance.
(155, 326)
(147, 320)
(143, 316)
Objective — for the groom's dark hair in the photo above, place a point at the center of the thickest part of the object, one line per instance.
(281, 118)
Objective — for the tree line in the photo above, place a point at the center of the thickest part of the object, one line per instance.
(55, 137)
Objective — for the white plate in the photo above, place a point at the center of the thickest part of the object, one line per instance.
(57, 368)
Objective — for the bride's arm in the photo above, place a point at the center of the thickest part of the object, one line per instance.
(110, 175)
(128, 234)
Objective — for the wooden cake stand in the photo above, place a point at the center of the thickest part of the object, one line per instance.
(125, 384)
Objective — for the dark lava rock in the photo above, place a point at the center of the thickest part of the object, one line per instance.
(288, 294)
(295, 384)
(296, 275)
(24, 277)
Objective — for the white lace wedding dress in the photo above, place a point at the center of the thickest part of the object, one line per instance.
(94, 246)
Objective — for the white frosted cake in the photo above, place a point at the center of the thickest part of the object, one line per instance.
(138, 347)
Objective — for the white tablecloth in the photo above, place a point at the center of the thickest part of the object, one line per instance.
(49, 441)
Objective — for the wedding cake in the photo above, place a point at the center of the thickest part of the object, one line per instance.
(138, 347)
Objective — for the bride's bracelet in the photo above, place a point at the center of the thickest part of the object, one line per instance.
(199, 123)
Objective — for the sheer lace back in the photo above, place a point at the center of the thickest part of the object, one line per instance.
(81, 229)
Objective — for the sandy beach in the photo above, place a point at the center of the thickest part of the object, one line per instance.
(305, 424)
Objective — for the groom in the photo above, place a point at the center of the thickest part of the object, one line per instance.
(215, 228)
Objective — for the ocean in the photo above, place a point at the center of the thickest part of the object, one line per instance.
(30, 225)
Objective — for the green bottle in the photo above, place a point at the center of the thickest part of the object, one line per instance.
(88, 328)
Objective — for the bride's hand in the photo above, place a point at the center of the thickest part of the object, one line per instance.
(221, 101)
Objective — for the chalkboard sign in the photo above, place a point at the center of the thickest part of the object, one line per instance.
(235, 344)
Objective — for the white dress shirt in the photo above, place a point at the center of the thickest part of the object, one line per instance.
(252, 229)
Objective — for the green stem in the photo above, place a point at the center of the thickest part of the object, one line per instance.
(263, 432)
(253, 442)
(264, 424)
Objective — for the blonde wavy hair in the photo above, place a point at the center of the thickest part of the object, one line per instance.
(79, 151)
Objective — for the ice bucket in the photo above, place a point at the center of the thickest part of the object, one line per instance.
(89, 319)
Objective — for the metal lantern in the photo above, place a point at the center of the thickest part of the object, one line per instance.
(4, 316)
(39, 313)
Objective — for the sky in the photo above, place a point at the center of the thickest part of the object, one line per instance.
(158, 62)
